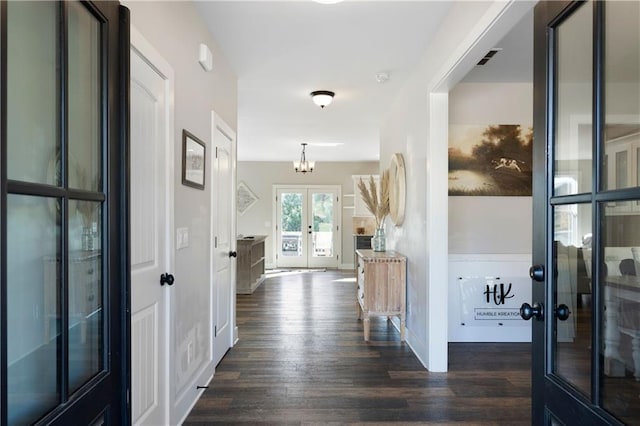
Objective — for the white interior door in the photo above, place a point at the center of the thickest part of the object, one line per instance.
(151, 224)
(223, 236)
(308, 226)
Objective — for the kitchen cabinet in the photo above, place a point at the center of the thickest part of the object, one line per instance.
(250, 265)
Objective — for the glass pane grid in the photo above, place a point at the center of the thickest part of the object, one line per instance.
(56, 320)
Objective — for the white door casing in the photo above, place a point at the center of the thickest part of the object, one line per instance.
(223, 241)
(152, 171)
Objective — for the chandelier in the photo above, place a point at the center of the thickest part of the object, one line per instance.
(303, 166)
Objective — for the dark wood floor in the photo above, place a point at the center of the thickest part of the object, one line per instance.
(301, 359)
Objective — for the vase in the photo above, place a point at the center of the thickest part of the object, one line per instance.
(379, 241)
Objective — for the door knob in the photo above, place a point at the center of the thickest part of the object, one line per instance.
(527, 311)
(233, 254)
(166, 278)
(562, 312)
(536, 272)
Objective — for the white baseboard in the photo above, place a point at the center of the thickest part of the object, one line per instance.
(415, 345)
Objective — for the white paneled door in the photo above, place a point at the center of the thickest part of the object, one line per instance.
(151, 224)
(223, 238)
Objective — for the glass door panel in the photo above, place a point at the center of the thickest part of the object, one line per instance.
(33, 142)
(85, 290)
(620, 225)
(34, 309)
(84, 99)
(573, 138)
(291, 240)
(620, 339)
(622, 93)
(572, 275)
(322, 234)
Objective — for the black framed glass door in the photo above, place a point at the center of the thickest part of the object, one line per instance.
(586, 324)
(64, 254)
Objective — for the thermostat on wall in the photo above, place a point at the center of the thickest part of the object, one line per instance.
(206, 57)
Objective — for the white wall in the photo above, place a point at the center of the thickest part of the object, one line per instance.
(260, 178)
(175, 30)
(490, 224)
(414, 127)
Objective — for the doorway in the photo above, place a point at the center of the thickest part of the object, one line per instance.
(307, 226)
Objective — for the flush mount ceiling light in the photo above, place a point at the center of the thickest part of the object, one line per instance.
(322, 98)
(328, 1)
(303, 166)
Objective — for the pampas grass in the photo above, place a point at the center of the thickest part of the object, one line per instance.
(379, 208)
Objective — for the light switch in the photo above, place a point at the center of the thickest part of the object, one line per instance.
(185, 237)
(182, 238)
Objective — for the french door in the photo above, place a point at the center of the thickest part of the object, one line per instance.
(64, 251)
(586, 277)
(308, 226)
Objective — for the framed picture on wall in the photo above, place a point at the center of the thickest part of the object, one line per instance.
(193, 160)
(245, 198)
(490, 160)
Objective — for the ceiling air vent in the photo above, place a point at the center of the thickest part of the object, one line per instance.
(488, 56)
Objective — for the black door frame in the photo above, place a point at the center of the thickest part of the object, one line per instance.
(108, 393)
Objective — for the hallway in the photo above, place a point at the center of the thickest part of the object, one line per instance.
(301, 359)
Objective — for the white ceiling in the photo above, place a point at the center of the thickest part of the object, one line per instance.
(283, 50)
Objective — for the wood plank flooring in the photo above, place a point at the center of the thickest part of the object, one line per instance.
(302, 360)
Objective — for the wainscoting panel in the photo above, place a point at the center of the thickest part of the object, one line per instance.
(485, 294)
(144, 364)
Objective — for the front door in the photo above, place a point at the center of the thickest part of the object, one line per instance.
(307, 227)
(586, 277)
(224, 242)
(64, 293)
(151, 218)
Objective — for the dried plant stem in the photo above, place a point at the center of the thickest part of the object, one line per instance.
(379, 208)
